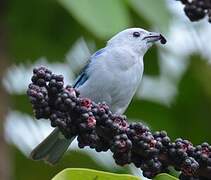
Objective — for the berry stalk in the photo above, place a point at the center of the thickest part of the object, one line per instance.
(97, 127)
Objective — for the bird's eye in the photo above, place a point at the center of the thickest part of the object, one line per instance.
(136, 34)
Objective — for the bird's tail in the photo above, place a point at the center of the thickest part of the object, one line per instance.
(52, 148)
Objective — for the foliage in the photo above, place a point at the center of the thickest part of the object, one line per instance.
(89, 174)
(79, 174)
(164, 176)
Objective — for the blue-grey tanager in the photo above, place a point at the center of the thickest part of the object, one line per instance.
(112, 75)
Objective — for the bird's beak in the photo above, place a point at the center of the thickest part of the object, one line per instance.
(152, 37)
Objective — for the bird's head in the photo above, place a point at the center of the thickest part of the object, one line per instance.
(139, 40)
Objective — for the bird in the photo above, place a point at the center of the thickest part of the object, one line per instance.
(112, 75)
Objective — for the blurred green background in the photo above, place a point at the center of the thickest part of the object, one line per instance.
(175, 94)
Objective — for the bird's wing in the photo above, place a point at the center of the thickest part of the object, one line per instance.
(83, 76)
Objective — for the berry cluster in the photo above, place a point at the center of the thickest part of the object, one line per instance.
(38, 96)
(97, 127)
(197, 9)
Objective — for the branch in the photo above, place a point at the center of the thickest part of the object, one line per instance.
(97, 127)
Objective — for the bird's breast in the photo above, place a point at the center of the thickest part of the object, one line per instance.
(112, 82)
(126, 83)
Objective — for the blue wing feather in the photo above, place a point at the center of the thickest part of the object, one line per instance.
(99, 52)
(82, 78)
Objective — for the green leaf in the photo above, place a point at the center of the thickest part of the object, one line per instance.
(164, 176)
(153, 11)
(76, 159)
(89, 174)
(40, 28)
(192, 106)
(102, 18)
